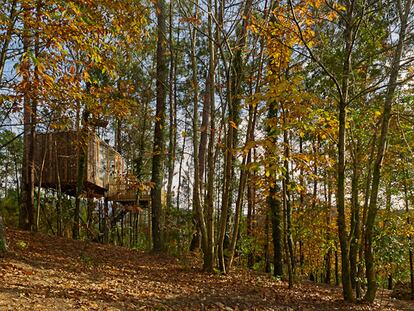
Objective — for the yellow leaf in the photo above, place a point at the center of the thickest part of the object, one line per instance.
(233, 124)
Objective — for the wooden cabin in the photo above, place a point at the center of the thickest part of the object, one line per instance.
(56, 159)
(125, 188)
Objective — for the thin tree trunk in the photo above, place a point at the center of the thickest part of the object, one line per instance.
(238, 77)
(89, 219)
(380, 151)
(121, 242)
(340, 197)
(40, 174)
(355, 219)
(26, 219)
(328, 255)
(172, 133)
(315, 171)
(235, 76)
(267, 244)
(105, 220)
(198, 209)
(286, 202)
(159, 140)
(7, 37)
(275, 206)
(180, 166)
(83, 141)
(242, 184)
(301, 206)
(226, 196)
(365, 211)
(409, 238)
(3, 241)
(343, 236)
(59, 196)
(336, 268)
(276, 216)
(249, 231)
(209, 256)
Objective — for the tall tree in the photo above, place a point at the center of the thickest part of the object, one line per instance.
(30, 108)
(159, 139)
(404, 8)
(209, 254)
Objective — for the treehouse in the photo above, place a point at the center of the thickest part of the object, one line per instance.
(125, 189)
(56, 157)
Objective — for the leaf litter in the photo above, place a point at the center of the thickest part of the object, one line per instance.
(53, 273)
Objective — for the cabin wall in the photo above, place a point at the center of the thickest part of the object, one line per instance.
(56, 159)
(56, 162)
(104, 163)
(56, 165)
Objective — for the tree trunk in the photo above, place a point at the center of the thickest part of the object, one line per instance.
(286, 202)
(209, 256)
(343, 236)
(267, 244)
(238, 77)
(172, 132)
(198, 209)
(380, 151)
(80, 178)
(7, 37)
(355, 219)
(180, 166)
(226, 196)
(247, 158)
(250, 215)
(89, 219)
(275, 205)
(409, 238)
(105, 221)
(26, 219)
(365, 211)
(340, 197)
(276, 216)
(159, 139)
(301, 207)
(3, 242)
(336, 268)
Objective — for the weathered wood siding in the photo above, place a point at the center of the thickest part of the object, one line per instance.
(56, 161)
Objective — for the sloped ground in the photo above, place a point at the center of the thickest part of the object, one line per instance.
(49, 273)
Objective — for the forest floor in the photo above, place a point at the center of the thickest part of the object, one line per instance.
(43, 272)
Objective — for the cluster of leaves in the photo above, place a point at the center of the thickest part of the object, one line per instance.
(69, 55)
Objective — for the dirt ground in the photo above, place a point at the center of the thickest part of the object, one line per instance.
(43, 272)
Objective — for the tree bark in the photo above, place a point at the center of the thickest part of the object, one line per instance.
(159, 139)
(275, 206)
(26, 219)
(328, 255)
(209, 256)
(172, 133)
(409, 238)
(343, 236)
(287, 203)
(355, 219)
(83, 141)
(7, 37)
(380, 151)
(340, 197)
(3, 241)
(198, 209)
